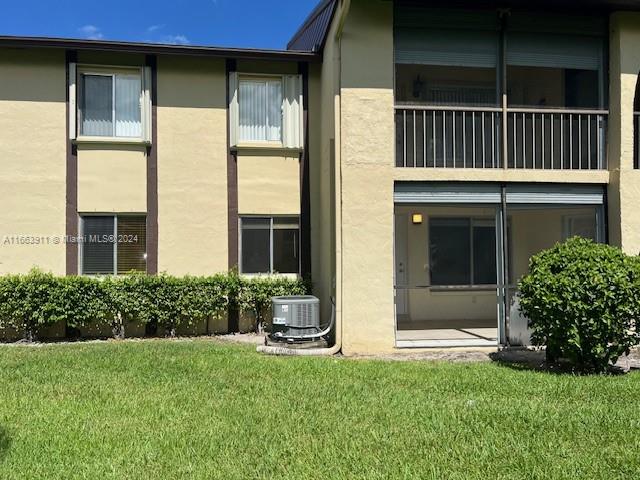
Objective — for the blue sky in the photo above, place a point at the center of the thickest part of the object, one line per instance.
(263, 24)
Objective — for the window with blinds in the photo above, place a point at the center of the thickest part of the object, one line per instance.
(266, 110)
(110, 105)
(113, 244)
(270, 245)
(131, 244)
(260, 110)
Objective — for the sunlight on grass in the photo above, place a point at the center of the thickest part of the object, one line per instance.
(205, 409)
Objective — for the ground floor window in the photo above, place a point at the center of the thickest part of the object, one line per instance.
(270, 245)
(462, 251)
(113, 244)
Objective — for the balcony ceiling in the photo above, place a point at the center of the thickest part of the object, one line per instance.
(573, 5)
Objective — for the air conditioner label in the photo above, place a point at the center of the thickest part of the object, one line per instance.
(279, 321)
(285, 308)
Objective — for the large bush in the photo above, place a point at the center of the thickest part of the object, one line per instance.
(30, 302)
(583, 303)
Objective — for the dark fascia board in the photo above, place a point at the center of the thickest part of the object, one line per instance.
(157, 49)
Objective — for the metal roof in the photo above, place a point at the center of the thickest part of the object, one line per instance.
(312, 34)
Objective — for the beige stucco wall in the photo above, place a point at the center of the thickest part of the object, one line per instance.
(367, 156)
(624, 190)
(268, 184)
(32, 157)
(192, 166)
(112, 178)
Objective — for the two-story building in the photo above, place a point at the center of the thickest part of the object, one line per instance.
(408, 156)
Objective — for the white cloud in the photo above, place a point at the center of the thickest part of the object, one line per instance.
(91, 32)
(153, 28)
(176, 40)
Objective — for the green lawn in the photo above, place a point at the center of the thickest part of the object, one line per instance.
(205, 409)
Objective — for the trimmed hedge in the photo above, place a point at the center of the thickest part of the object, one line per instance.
(31, 302)
(583, 303)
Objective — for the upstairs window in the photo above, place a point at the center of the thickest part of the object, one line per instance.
(109, 103)
(260, 103)
(266, 110)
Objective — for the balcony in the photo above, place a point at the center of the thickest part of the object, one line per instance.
(474, 137)
(495, 89)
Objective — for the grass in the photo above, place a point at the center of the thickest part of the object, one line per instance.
(205, 409)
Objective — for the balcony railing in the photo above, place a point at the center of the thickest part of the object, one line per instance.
(466, 137)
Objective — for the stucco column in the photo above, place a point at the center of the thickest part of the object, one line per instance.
(624, 187)
(367, 153)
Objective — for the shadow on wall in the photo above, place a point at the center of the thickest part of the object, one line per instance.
(21, 76)
(5, 443)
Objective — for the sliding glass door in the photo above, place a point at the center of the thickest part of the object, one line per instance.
(461, 249)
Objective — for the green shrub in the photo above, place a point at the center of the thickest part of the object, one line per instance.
(583, 301)
(128, 300)
(84, 301)
(203, 297)
(255, 294)
(29, 302)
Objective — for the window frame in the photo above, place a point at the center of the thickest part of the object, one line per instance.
(83, 70)
(271, 219)
(473, 220)
(115, 217)
(256, 77)
(569, 219)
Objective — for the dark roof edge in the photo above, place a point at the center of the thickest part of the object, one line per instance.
(153, 48)
(311, 19)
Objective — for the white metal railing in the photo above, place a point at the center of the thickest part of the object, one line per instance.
(469, 137)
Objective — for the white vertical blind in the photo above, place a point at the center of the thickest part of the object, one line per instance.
(72, 100)
(253, 110)
(127, 112)
(233, 108)
(274, 110)
(260, 110)
(292, 135)
(97, 105)
(146, 103)
(112, 105)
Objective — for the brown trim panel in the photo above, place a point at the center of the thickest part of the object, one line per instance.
(71, 200)
(152, 173)
(305, 194)
(233, 316)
